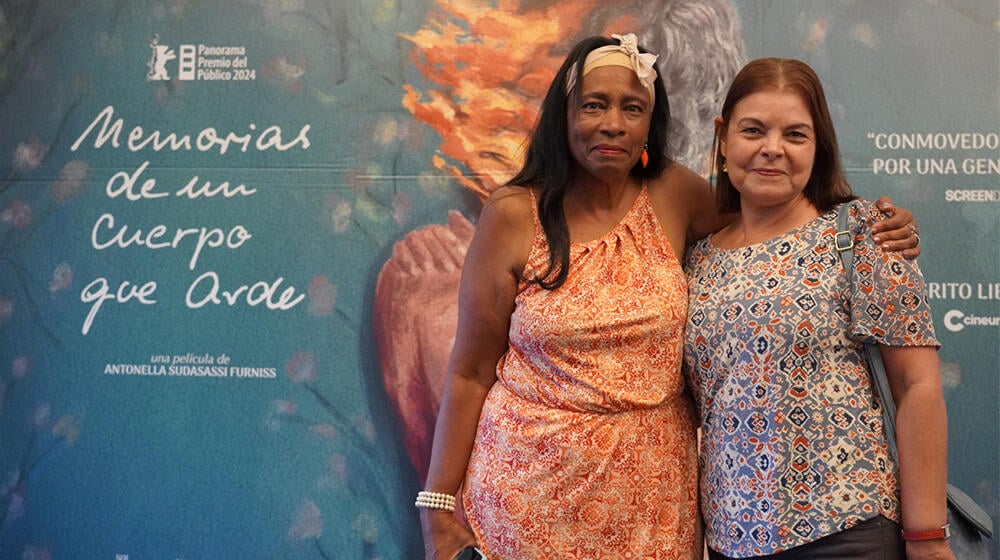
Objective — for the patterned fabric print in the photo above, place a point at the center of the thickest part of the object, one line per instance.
(586, 445)
(792, 441)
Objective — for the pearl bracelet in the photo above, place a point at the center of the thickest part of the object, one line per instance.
(435, 500)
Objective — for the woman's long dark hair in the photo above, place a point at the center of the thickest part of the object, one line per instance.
(549, 164)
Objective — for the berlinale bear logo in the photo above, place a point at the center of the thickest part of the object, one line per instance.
(158, 61)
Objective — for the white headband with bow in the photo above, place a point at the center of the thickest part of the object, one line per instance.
(626, 54)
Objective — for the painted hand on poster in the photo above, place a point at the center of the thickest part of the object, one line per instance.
(485, 93)
(416, 311)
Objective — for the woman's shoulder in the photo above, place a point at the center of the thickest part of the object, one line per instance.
(687, 196)
(676, 177)
(679, 188)
(505, 232)
(511, 198)
(509, 211)
(510, 206)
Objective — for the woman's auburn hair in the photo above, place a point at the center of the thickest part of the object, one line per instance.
(827, 185)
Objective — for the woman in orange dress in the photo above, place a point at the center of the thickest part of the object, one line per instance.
(565, 420)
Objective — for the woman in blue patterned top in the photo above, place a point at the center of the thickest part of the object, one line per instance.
(794, 458)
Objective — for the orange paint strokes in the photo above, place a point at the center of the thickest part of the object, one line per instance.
(490, 68)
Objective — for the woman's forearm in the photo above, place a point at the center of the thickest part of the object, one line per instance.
(455, 434)
(922, 439)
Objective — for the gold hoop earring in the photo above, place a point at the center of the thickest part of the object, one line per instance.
(724, 168)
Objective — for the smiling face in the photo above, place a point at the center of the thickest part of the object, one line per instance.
(770, 145)
(608, 122)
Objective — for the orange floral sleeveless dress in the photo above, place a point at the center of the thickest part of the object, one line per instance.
(586, 443)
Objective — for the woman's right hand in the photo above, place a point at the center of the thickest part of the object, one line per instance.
(444, 536)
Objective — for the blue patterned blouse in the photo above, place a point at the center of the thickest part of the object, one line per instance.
(792, 445)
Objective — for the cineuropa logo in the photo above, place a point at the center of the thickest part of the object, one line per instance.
(956, 320)
(198, 62)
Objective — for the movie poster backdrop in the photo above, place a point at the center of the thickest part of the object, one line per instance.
(231, 234)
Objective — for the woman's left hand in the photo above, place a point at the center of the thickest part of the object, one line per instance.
(898, 232)
(929, 550)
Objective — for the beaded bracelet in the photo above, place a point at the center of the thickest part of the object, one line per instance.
(435, 500)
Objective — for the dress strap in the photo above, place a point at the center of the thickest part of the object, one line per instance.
(534, 213)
